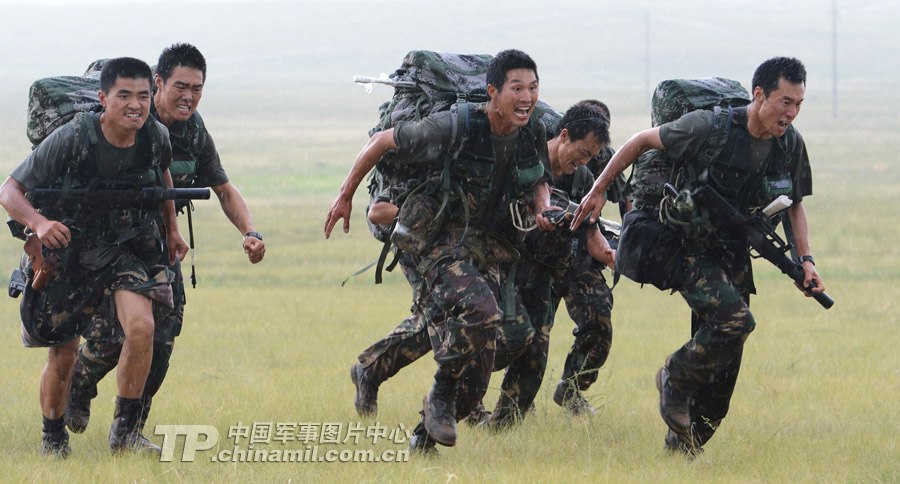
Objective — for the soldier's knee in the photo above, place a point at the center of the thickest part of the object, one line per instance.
(61, 359)
(139, 328)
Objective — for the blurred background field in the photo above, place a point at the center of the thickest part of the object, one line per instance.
(818, 397)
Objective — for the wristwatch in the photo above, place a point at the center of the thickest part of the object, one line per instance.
(256, 234)
(807, 258)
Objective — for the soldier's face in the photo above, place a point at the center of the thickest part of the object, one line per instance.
(178, 97)
(778, 110)
(127, 104)
(573, 154)
(515, 102)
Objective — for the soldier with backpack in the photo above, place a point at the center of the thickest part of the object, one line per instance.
(107, 256)
(748, 154)
(180, 77)
(497, 165)
(582, 134)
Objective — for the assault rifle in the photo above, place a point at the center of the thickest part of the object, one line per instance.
(97, 195)
(759, 234)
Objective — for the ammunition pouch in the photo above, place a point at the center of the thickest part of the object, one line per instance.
(417, 224)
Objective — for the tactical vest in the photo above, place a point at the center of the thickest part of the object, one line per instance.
(187, 140)
(108, 225)
(472, 171)
(730, 173)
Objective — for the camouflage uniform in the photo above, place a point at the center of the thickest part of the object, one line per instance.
(718, 279)
(195, 165)
(112, 248)
(408, 341)
(559, 267)
(465, 298)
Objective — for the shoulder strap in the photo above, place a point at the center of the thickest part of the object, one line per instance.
(460, 128)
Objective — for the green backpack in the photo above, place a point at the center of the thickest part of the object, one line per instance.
(672, 99)
(428, 82)
(53, 101)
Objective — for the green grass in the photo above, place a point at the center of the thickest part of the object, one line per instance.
(817, 400)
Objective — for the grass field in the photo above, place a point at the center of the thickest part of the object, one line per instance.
(819, 395)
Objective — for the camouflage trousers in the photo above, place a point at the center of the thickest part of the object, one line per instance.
(414, 338)
(102, 346)
(404, 344)
(589, 302)
(77, 300)
(706, 368)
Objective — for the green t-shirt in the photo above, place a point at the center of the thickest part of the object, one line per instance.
(685, 137)
(46, 163)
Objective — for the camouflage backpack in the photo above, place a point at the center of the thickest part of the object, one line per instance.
(429, 82)
(672, 99)
(53, 101)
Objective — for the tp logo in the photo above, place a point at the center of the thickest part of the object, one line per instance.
(192, 442)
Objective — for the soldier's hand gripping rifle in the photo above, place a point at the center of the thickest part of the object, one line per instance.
(46, 265)
(759, 234)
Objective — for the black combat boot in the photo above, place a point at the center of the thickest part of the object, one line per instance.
(366, 391)
(55, 439)
(440, 409)
(673, 407)
(78, 412)
(568, 396)
(421, 443)
(125, 433)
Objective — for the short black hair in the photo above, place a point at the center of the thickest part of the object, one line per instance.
(584, 118)
(180, 55)
(506, 61)
(604, 109)
(125, 67)
(768, 73)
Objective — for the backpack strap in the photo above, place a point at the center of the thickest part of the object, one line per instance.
(457, 137)
(85, 140)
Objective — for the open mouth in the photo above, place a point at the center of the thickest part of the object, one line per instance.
(133, 115)
(523, 112)
(183, 108)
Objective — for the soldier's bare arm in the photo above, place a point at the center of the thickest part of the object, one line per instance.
(235, 208)
(382, 213)
(365, 161)
(800, 224)
(599, 248)
(52, 233)
(593, 202)
(178, 248)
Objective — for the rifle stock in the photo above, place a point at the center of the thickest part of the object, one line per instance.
(760, 236)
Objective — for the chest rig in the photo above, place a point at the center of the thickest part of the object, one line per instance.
(726, 165)
(747, 187)
(84, 169)
(187, 138)
(471, 170)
